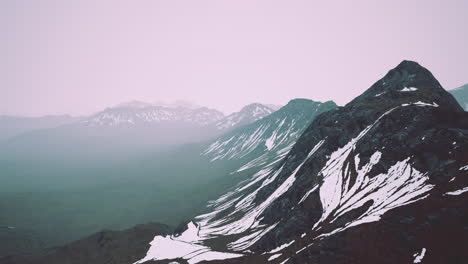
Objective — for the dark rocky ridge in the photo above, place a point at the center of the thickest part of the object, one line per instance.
(425, 134)
(435, 140)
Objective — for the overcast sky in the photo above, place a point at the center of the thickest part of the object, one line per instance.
(77, 57)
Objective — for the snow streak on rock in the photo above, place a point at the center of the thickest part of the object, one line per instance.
(419, 256)
(243, 203)
(458, 192)
(340, 193)
(419, 103)
(273, 136)
(409, 89)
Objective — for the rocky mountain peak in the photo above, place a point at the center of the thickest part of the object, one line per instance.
(406, 84)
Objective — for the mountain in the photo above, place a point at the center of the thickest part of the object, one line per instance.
(248, 114)
(273, 135)
(137, 113)
(461, 94)
(380, 180)
(11, 126)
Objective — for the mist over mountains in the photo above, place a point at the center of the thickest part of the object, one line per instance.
(123, 131)
(379, 180)
(87, 170)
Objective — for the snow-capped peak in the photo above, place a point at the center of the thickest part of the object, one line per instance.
(248, 114)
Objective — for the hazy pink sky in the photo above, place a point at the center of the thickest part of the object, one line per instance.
(77, 57)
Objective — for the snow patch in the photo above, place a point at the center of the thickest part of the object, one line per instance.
(419, 103)
(457, 192)
(168, 247)
(409, 89)
(419, 256)
(281, 247)
(274, 257)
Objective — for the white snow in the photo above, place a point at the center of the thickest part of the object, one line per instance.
(191, 234)
(409, 89)
(457, 192)
(170, 247)
(419, 256)
(281, 247)
(426, 104)
(275, 256)
(269, 143)
(419, 103)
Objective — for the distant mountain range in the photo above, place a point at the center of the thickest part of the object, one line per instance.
(129, 128)
(138, 115)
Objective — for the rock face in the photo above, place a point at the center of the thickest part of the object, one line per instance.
(461, 94)
(380, 180)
